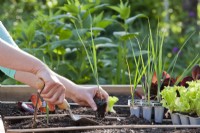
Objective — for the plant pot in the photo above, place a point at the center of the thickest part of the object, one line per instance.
(135, 110)
(184, 119)
(137, 102)
(194, 120)
(175, 119)
(147, 112)
(158, 114)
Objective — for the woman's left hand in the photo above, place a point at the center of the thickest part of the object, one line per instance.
(84, 95)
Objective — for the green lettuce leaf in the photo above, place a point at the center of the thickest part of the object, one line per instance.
(169, 96)
(111, 103)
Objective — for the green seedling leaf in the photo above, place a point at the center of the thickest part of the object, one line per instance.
(102, 40)
(117, 9)
(132, 19)
(98, 29)
(68, 16)
(65, 34)
(122, 35)
(70, 8)
(106, 45)
(169, 96)
(111, 102)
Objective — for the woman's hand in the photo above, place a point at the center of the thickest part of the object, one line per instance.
(84, 95)
(54, 90)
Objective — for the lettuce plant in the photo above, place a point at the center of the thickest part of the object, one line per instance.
(182, 102)
(169, 96)
(111, 102)
(194, 96)
(182, 99)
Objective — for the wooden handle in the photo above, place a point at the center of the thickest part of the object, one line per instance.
(65, 105)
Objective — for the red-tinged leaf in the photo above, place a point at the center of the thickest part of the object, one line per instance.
(139, 93)
(186, 79)
(165, 75)
(42, 109)
(154, 78)
(27, 107)
(195, 72)
(168, 82)
(51, 107)
(153, 90)
(34, 100)
(198, 77)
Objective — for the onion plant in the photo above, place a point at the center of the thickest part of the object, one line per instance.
(92, 51)
(140, 69)
(156, 50)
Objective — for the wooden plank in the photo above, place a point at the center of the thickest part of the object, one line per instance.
(15, 92)
(104, 127)
(57, 115)
(2, 129)
(23, 92)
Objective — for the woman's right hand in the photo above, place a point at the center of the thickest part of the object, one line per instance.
(54, 90)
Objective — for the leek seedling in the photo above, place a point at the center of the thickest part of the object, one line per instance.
(156, 49)
(139, 71)
(93, 61)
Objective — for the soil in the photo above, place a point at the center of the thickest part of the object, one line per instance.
(65, 121)
(101, 107)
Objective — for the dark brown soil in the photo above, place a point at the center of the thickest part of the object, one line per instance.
(13, 110)
(101, 107)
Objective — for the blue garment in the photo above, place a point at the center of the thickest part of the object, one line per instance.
(4, 35)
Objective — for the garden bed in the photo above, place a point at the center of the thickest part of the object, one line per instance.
(19, 121)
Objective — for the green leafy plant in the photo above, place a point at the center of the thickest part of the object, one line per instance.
(93, 61)
(193, 95)
(182, 99)
(140, 69)
(169, 96)
(111, 102)
(176, 99)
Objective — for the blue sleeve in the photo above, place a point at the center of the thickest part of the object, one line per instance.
(4, 35)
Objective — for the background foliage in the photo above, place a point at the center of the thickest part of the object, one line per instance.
(46, 29)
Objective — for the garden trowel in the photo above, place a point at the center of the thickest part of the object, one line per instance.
(65, 106)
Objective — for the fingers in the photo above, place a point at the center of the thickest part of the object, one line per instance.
(89, 102)
(55, 99)
(54, 94)
(54, 90)
(49, 92)
(98, 92)
(92, 104)
(101, 93)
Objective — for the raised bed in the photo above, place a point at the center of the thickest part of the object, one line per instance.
(120, 122)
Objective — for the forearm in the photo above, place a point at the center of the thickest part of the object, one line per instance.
(27, 78)
(17, 59)
(69, 85)
(31, 79)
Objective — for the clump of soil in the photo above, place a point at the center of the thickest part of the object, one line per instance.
(101, 107)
